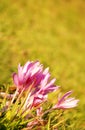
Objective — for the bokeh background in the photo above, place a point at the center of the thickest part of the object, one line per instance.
(51, 31)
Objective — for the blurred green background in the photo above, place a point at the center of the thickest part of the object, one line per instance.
(51, 31)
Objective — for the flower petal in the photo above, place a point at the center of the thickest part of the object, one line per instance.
(15, 78)
(64, 97)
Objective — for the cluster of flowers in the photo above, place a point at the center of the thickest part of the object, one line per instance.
(32, 77)
(32, 74)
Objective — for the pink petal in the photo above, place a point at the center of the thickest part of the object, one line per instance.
(26, 66)
(65, 96)
(46, 71)
(45, 80)
(20, 74)
(67, 103)
(50, 83)
(36, 70)
(51, 89)
(15, 78)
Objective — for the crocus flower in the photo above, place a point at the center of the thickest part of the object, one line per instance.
(27, 74)
(40, 94)
(33, 76)
(64, 102)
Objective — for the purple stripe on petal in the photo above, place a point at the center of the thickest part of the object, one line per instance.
(65, 96)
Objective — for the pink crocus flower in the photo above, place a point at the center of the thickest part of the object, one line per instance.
(40, 94)
(27, 74)
(33, 76)
(64, 102)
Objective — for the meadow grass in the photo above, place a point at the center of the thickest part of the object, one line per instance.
(53, 32)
